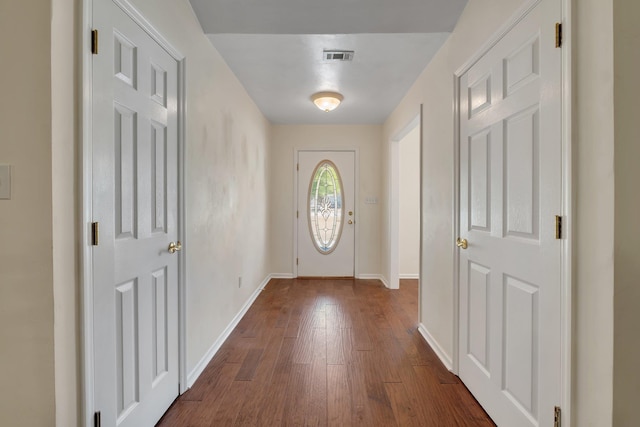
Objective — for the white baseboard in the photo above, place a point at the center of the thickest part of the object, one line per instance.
(202, 364)
(281, 276)
(384, 281)
(437, 348)
(360, 276)
(409, 276)
(374, 277)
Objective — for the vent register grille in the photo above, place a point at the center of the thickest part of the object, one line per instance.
(338, 55)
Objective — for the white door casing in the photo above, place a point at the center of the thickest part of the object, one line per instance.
(135, 138)
(394, 201)
(339, 262)
(510, 188)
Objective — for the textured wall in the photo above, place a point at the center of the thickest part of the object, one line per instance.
(627, 207)
(226, 178)
(26, 271)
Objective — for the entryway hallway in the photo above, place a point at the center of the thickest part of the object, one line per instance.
(319, 352)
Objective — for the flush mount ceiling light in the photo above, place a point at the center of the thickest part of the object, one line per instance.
(327, 101)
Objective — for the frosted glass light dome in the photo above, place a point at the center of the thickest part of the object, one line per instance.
(327, 101)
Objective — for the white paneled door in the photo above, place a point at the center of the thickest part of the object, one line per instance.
(326, 213)
(510, 192)
(135, 194)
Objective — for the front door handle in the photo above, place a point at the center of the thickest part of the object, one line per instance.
(462, 243)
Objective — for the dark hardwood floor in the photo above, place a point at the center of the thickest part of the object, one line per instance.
(322, 352)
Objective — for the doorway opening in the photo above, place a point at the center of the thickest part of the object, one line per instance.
(405, 204)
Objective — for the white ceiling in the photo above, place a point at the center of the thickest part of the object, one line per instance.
(275, 49)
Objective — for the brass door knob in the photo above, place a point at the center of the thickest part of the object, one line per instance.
(350, 222)
(462, 243)
(175, 247)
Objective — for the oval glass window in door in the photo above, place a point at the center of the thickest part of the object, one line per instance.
(325, 207)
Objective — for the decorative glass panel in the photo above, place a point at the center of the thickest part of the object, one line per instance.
(325, 207)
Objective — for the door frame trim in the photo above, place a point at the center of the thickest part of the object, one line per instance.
(85, 204)
(356, 218)
(394, 201)
(568, 195)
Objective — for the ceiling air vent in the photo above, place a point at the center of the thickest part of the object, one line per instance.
(338, 55)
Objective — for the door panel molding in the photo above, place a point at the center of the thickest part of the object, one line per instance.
(567, 197)
(86, 168)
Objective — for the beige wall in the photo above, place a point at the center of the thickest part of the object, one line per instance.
(593, 190)
(409, 204)
(26, 272)
(226, 179)
(627, 211)
(367, 139)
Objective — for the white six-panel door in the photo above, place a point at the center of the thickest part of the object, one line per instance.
(339, 260)
(135, 194)
(510, 192)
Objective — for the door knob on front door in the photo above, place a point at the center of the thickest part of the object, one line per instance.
(462, 243)
(350, 222)
(175, 247)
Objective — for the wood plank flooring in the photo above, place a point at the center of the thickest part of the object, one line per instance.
(325, 352)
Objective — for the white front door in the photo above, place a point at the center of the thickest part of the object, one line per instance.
(135, 193)
(510, 192)
(326, 213)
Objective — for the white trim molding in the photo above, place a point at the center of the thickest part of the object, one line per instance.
(409, 276)
(281, 276)
(379, 277)
(204, 361)
(394, 198)
(436, 347)
(182, 223)
(568, 201)
(86, 206)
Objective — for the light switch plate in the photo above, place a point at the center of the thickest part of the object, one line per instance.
(5, 182)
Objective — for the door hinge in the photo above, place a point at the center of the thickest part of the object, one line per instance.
(296, 261)
(558, 34)
(97, 422)
(94, 42)
(297, 214)
(557, 417)
(95, 233)
(558, 227)
(298, 166)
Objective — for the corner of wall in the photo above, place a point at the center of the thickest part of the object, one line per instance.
(442, 354)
